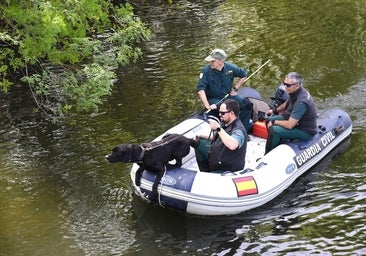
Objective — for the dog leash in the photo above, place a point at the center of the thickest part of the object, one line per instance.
(145, 147)
(159, 143)
(151, 147)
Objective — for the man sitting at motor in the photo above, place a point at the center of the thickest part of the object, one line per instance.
(297, 118)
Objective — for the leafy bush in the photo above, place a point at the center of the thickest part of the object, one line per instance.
(67, 51)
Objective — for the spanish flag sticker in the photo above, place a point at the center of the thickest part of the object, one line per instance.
(245, 186)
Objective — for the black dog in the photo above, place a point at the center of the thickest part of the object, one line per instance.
(154, 156)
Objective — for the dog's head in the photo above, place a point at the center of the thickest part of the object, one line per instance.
(122, 153)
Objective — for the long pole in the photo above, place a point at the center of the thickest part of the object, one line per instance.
(227, 95)
(265, 63)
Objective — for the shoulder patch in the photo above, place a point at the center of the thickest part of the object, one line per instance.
(239, 133)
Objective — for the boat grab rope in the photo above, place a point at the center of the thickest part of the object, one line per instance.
(161, 188)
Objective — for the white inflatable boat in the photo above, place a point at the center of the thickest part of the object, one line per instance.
(263, 178)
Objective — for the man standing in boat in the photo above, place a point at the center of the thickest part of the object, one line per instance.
(225, 147)
(297, 118)
(216, 83)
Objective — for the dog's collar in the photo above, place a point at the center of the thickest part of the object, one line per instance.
(142, 154)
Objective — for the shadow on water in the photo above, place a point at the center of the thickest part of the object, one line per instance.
(166, 231)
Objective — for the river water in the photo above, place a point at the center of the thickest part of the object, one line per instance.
(58, 196)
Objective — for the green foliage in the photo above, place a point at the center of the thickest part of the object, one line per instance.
(67, 49)
(39, 82)
(88, 94)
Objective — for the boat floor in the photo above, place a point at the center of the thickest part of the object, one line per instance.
(255, 150)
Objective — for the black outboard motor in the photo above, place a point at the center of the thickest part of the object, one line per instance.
(279, 98)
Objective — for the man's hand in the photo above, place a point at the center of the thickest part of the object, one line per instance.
(213, 106)
(213, 124)
(233, 92)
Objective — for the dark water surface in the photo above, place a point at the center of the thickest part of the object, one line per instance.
(59, 197)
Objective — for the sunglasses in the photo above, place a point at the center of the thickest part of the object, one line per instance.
(221, 113)
(288, 85)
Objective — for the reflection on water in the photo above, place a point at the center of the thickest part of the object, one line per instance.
(59, 197)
